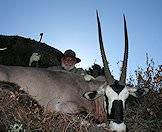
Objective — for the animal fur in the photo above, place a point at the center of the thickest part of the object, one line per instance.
(57, 90)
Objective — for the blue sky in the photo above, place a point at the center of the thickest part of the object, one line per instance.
(71, 24)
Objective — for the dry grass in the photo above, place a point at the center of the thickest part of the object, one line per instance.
(145, 114)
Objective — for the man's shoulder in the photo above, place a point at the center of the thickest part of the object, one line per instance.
(54, 68)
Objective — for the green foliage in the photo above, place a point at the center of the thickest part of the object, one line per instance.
(149, 77)
(95, 71)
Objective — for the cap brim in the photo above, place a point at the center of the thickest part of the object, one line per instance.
(78, 60)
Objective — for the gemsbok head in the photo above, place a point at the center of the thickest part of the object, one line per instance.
(115, 92)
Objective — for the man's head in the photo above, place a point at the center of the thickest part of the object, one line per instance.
(69, 60)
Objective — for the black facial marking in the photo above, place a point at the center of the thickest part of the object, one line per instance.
(92, 95)
(107, 105)
(117, 87)
(117, 111)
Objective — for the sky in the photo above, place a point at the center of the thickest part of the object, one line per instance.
(71, 24)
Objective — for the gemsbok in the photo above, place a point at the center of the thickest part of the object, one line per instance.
(115, 92)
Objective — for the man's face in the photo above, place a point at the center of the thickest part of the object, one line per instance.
(68, 62)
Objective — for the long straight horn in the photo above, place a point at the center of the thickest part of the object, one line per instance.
(109, 78)
(125, 59)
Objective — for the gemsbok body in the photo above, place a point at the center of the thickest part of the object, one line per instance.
(56, 90)
(115, 92)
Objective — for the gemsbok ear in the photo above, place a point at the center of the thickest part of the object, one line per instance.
(137, 92)
(92, 95)
(132, 91)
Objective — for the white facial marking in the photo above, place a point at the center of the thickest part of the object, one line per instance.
(112, 95)
(117, 127)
